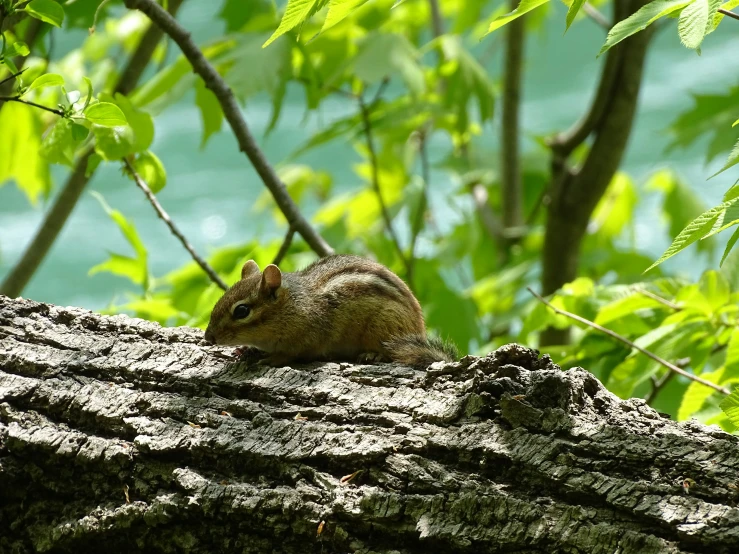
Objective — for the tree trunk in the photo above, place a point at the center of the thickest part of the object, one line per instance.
(117, 435)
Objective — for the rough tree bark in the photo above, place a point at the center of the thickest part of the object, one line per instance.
(117, 434)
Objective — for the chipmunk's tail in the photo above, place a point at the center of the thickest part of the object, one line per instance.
(420, 352)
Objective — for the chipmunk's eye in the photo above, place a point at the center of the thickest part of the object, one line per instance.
(241, 311)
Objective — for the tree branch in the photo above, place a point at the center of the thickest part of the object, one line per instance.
(672, 367)
(66, 200)
(232, 113)
(172, 227)
(728, 13)
(509, 141)
(29, 103)
(572, 194)
(11, 77)
(659, 299)
(375, 170)
(593, 13)
(423, 203)
(437, 20)
(285, 246)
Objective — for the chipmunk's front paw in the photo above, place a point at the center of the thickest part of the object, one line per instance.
(371, 357)
(248, 354)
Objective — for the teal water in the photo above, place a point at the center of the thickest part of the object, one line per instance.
(211, 193)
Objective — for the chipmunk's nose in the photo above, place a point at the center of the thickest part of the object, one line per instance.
(210, 337)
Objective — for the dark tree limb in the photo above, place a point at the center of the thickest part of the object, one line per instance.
(231, 111)
(117, 435)
(510, 163)
(573, 194)
(66, 200)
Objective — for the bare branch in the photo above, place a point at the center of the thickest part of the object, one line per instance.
(11, 77)
(658, 385)
(374, 165)
(285, 246)
(593, 13)
(232, 113)
(659, 299)
(672, 367)
(164, 216)
(437, 20)
(728, 13)
(29, 103)
(418, 221)
(510, 163)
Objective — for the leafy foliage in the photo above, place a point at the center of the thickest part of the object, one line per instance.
(411, 108)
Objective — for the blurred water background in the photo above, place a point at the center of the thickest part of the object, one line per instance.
(211, 192)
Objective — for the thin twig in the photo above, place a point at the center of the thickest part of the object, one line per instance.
(378, 94)
(593, 13)
(437, 19)
(13, 76)
(374, 165)
(659, 299)
(29, 103)
(285, 246)
(728, 13)
(172, 227)
(658, 385)
(423, 203)
(672, 367)
(232, 113)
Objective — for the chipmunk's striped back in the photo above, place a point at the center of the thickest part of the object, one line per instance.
(338, 308)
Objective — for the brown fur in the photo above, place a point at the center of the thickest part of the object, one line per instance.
(338, 308)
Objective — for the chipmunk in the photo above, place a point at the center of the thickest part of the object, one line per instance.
(338, 308)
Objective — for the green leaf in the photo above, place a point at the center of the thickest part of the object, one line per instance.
(732, 161)
(136, 268)
(625, 307)
(88, 82)
(695, 230)
(572, 12)
(615, 209)
(523, 8)
(46, 10)
(338, 10)
(123, 266)
(47, 80)
(732, 355)
(729, 246)
(79, 132)
(10, 65)
(381, 54)
(19, 151)
(640, 20)
(58, 145)
(114, 143)
(697, 394)
(105, 114)
(140, 121)
(711, 114)
(18, 48)
(695, 21)
(730, 406)
(151, 170)
(680, 205)
(296, 12)
(210, 111)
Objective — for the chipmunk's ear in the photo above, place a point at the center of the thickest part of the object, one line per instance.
(271, 278)
(249, 268)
